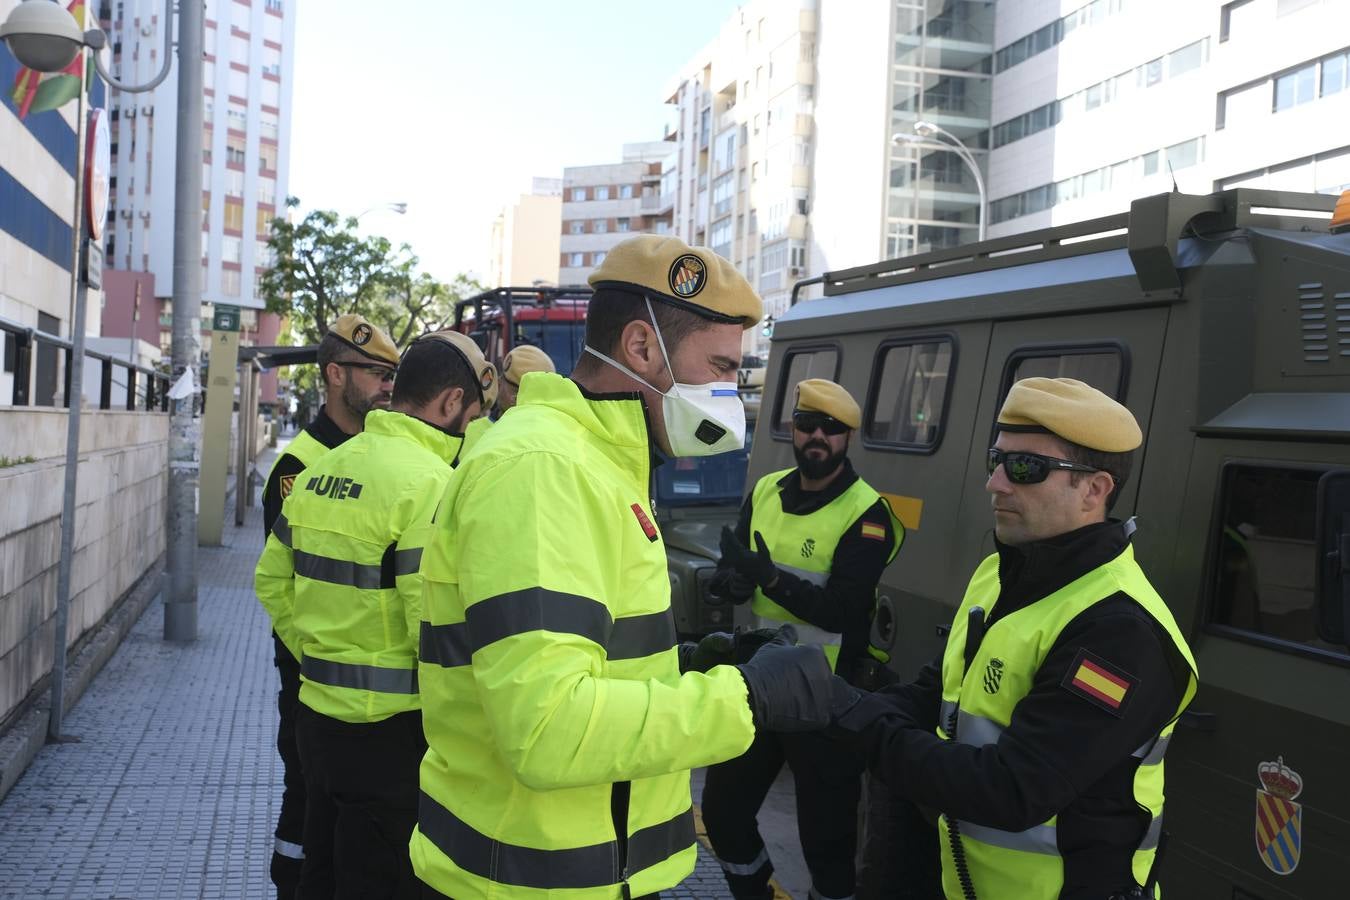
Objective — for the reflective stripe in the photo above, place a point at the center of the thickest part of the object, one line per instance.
(637, 636)
(358, 677)
(339, 571)
(749, 868)
(445, 645)
(976, 730)
(819, 579)
(1150, 841)
(592, 866)
(1153, 752)
(536, 609)
(407, 562)
(945, 713)
(287, 849)
(282, 529)
(1036, 839)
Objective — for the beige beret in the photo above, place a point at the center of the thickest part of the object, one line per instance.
(363, 337)
(692, 278)
(525, 358)
(468, 348)
(819, 395)
(1072, 410)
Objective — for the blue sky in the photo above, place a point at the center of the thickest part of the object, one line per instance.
(452, 106)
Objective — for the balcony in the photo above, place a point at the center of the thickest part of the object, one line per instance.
(657, 204)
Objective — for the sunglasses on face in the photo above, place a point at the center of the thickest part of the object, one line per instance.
(384, 373)
(808, 422)
(1031, 468)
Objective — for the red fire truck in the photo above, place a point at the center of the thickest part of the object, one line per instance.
(552, 319)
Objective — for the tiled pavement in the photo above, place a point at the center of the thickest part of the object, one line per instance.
(171, 791)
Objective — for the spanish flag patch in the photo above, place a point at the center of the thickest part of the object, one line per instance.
(874, 531)
(1099, 682)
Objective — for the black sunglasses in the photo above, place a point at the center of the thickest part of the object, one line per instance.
(385, 373)
(808, 422)
(1031, 468)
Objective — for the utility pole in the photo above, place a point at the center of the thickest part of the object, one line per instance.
(180, 600)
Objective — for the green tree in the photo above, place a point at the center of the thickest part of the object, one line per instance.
(412, 303)
(323, 269)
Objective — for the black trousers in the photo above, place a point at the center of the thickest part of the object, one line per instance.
(430, 893)
(828, 781)
(900, 857)
(361, 785)
(287, 855)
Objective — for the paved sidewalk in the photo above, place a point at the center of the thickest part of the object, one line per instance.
(173, 787)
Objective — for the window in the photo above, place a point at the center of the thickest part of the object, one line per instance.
(1264, 568)
(229, 282)
(234, 215)
(267, 191)
(1192, 56)
(602, 192)
(1179, 156)
(1104, 368)
(576, 260)
(230, 248)
(622, 225)
(238, 84)
(597, 257)
(237, 117)
(271, 93)
(578, 195)
(269, 125)
(577, 226)
(234, 150)
(267, 158)
(599, 226)
(1235, 19)
(908, 394)
(808, 362)
(1334, 73)
(1296, 87)
(625, 192)
(261, 224)
(234, 183)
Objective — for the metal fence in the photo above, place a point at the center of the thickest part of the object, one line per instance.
(26, 339)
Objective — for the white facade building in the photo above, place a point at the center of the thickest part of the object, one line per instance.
(249, 52)
(604, 204)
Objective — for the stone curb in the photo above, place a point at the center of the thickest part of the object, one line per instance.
(26, 737)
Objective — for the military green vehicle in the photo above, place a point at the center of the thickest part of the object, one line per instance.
(1223, 323)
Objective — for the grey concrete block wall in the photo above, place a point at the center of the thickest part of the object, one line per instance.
(119, 529)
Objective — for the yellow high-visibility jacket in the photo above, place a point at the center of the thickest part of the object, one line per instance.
(339, 575)
(561, 731)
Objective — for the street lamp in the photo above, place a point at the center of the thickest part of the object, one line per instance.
(926, 134)
(45, 37)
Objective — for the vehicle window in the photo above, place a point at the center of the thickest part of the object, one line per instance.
(817, 362)
(717, 480)
(1100, 368)
(908, 394)
(1267, 558)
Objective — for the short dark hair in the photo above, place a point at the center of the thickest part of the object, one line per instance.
(611, 310)
(1117, 465)
(331, 349)
(430, 366)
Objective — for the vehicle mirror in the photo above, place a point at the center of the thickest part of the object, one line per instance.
(1333, 557)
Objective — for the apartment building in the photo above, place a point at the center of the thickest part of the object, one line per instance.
(603, 204)
(249, 50)
(526, 241)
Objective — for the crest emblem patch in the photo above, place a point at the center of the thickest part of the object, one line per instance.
(287, 482)
(808, 548)
(1279, 820)
(688, 275)
(361, 335)
(993, 675)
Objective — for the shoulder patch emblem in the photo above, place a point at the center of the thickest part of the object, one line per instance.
(1100, 683)
(647, 527)
(286, 483)
(688, 275)
(873, 531)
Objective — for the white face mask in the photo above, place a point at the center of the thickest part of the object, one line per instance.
(701, 419)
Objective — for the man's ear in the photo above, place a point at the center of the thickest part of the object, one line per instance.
(1100, 486)
(333, 374)
(640, 351)
(452, 400)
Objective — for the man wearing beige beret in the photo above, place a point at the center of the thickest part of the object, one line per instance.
(1039, 734)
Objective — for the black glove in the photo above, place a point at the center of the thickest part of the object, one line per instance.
(716, 649)
(728, 584)
(757, 564)
(749, 642)
(792, 688)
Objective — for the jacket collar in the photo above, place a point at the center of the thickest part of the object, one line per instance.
(324, 430)
(800, 502)
(617, 421)
(1032, 571)
(397, 424)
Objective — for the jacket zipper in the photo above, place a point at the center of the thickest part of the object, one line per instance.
(619, 795)
(974, 637)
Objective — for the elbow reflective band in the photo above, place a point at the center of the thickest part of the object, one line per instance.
(282, 529)
(407, 562)
(359, 677)
(539, 609)
(574, 867)
(340, 571)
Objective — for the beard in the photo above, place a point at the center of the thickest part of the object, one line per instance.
(816, 468)
(359, 403)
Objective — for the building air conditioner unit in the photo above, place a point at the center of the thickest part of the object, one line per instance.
(794, 270)
(144, 214)
(148, 110)
(126, 213)
(129, 112)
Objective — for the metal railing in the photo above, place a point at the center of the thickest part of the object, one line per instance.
(27, 338)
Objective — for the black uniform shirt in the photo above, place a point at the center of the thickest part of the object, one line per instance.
(845, 602)
(1060, 754)
(322, 429)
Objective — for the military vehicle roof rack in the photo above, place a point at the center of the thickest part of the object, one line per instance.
(1149, 231)
(502, 300)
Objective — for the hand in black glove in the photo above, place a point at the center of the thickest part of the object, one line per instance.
(749, 642)
(757, 564)
(729, 584)
(716, 649)
(792, 688)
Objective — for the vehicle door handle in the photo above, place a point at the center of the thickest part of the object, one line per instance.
(1200, 721)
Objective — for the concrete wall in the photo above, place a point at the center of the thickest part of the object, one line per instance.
(118, 536)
